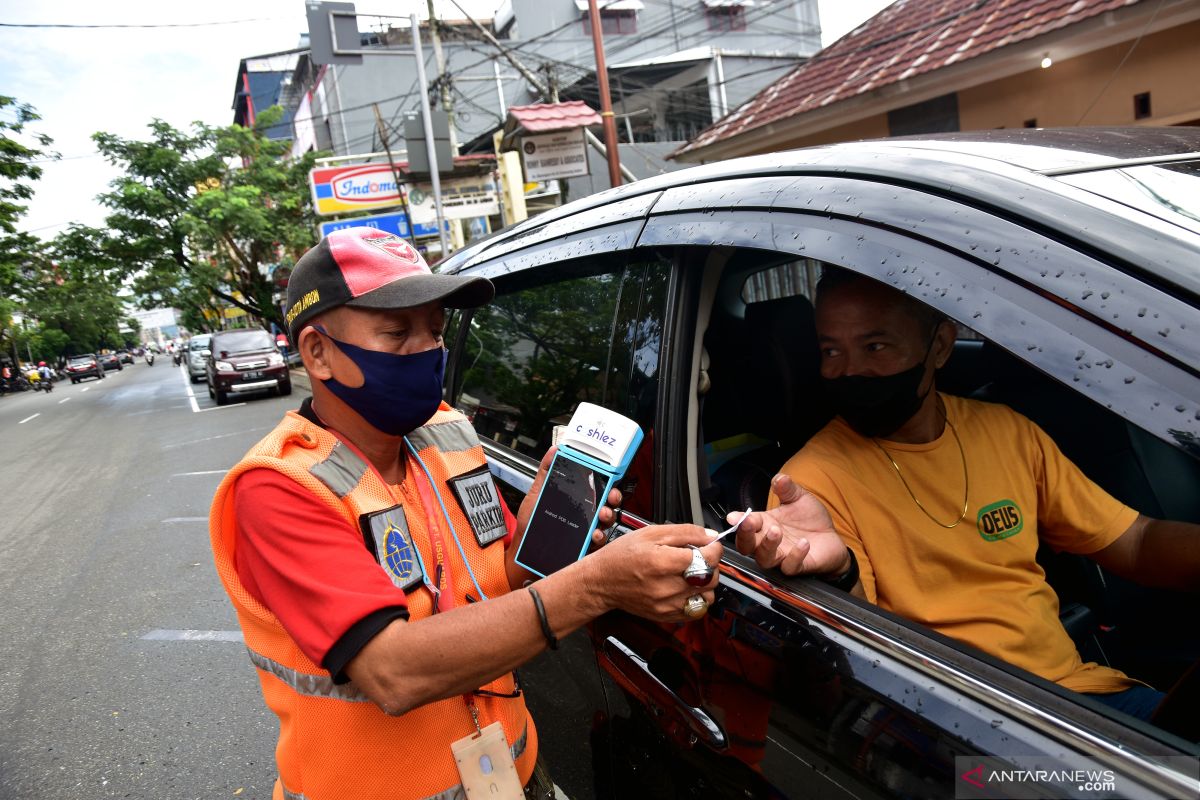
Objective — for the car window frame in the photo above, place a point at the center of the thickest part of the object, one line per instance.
(893, 218)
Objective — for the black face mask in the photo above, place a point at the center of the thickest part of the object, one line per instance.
(877, 406)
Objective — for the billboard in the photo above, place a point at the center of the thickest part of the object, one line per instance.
(362, 187)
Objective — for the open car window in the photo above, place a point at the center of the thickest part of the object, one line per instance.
(762, 324)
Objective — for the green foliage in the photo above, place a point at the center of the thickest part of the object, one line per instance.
(204, 216)
(18, 169)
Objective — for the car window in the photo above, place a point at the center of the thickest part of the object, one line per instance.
(242, 341)
(537, 351)
(772, 336)
(81, 360)
(199, 343)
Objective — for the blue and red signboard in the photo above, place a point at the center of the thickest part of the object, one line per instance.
(396, 223)
(339, 190)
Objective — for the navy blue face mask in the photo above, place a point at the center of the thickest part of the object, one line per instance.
(399, 392)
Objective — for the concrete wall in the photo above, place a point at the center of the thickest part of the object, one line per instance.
(1166, 64)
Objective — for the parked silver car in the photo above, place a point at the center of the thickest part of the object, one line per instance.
(197, 355)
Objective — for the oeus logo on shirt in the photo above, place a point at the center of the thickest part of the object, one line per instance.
(1000, 520)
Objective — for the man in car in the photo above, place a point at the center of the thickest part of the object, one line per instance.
(939, 502)
(368, 552)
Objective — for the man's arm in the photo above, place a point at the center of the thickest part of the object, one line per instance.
(1155, 552)
(797, 536)
(409, 664)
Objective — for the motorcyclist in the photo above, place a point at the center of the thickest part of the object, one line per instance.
(45, 376)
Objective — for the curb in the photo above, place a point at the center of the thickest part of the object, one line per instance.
(300, 379)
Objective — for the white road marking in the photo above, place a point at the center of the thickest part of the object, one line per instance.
(219, 408)
(65, 399)
(22, 422)
(185, 519)
(205, 472)
(191, 395)
(218, 436)
(84, 389)
(168, 635)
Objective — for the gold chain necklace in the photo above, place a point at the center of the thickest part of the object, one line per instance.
(966, 486)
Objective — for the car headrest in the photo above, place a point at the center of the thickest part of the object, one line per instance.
(783, 365)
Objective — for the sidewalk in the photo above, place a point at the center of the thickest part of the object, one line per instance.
(300, 379)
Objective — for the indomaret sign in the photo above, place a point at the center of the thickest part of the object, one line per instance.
(337, 190)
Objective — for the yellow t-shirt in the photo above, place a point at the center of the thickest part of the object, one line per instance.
(978, 582)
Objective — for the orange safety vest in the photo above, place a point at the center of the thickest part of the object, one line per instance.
(333, 741)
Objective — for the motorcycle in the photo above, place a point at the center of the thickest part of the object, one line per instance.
(150, 359)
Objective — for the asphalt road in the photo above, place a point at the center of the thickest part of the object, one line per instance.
(122, 672)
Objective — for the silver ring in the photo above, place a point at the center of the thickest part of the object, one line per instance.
(695, 607)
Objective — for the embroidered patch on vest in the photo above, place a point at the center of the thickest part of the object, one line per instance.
(476, 493)
(387, 536)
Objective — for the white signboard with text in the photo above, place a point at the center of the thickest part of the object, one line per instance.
(462, 198)
(546, 156)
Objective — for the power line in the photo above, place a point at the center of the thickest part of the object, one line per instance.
(147, 25)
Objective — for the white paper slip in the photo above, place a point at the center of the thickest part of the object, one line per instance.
(730, 530)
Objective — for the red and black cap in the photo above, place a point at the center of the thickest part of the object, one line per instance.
(369, 268)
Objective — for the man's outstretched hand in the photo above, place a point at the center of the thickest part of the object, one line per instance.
(797, 536)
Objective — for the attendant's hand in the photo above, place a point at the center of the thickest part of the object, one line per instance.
(642, 571)
(797, 536)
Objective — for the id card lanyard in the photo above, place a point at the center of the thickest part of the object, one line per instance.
(444, 597)
(484, 761)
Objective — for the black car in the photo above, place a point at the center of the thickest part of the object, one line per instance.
(241, 361)
(1071, 262)
(110, 361)
(84, 366)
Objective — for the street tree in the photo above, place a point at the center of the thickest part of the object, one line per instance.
(18, 171)
(209, 213)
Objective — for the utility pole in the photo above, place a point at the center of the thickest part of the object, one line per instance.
(443, 84)
(435, 179)
(387, 148)
(606, 112)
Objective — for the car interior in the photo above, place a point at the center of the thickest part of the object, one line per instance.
(757, 317)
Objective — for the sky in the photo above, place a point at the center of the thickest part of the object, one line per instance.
(82, 80)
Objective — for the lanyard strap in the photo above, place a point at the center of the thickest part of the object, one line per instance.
(442, 573)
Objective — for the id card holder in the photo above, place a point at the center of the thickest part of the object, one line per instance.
(485, 765)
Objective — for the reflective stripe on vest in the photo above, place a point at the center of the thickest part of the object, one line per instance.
(448, 437)
(454, 792)
(340, 471)
(306, 684)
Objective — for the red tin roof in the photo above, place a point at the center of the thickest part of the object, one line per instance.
(543, 117)
(906, 39)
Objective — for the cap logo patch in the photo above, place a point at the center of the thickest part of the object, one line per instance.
(374, 259)
(394, 245)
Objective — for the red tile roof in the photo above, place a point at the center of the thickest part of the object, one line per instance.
(542, 117)
(906, 39)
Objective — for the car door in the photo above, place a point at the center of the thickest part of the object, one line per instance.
(788, 688)
(583, 329)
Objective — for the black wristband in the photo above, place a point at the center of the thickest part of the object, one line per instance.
(847, 579)
(541, 612)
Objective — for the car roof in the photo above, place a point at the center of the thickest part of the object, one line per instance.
(1025, 156)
